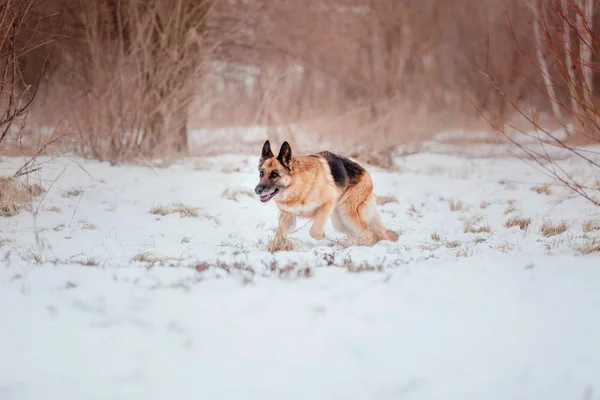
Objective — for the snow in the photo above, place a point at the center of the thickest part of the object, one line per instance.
(509, 314)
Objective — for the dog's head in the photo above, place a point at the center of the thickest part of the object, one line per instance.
(275, 172)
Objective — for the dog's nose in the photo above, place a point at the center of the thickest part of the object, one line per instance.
(258, 189)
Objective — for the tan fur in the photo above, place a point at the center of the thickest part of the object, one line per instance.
(310, 192)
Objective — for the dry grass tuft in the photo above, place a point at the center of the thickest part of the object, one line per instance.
(590, 225)
(234, 195)
(280, 243)
(451, 243)
(550, 229)
(455, 205)
(592, 246)
(152, 258)
(484, 204)
(54, 209)
(469, 227)
(522, 223)
(436, 237)
(381, 200)
(544, 189)
(182, 209)
(14, 195)
(89, 262)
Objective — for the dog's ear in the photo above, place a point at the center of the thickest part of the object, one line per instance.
(285, 155)
(266, 151)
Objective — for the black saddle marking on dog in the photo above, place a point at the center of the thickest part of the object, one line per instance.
(343, 170)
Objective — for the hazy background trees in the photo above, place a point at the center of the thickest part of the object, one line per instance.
(123, 78)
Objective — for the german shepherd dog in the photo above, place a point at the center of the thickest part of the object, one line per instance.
(318, 186)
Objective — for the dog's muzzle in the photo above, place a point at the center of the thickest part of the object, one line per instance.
(265, 193)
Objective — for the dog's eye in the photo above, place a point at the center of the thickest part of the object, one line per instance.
(262, 173)
(274, 175)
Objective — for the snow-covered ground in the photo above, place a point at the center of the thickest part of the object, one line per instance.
(461, 307)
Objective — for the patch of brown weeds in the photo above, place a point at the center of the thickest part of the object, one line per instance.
(470, 227)
(152, 258)
(89, 262)
(543, 189)
(280, 243)
(522, 223)
(53, 209)
(550, 229)
(591, 225)
(591, 246)
(455, 205)
(363, 267)
(484, 204)
(511, 207)
(291, 272)
(451, 243)
(436, 237)
(182, 209)
(14, 195)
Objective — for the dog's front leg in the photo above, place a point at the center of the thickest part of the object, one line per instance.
(287, 221)
(320, 218)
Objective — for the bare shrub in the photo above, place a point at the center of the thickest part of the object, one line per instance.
(17, 39)
(549, 228)
(565, 43)
(135, 67)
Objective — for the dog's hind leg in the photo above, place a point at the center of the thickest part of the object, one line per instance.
(374, 223)
(352, 211)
